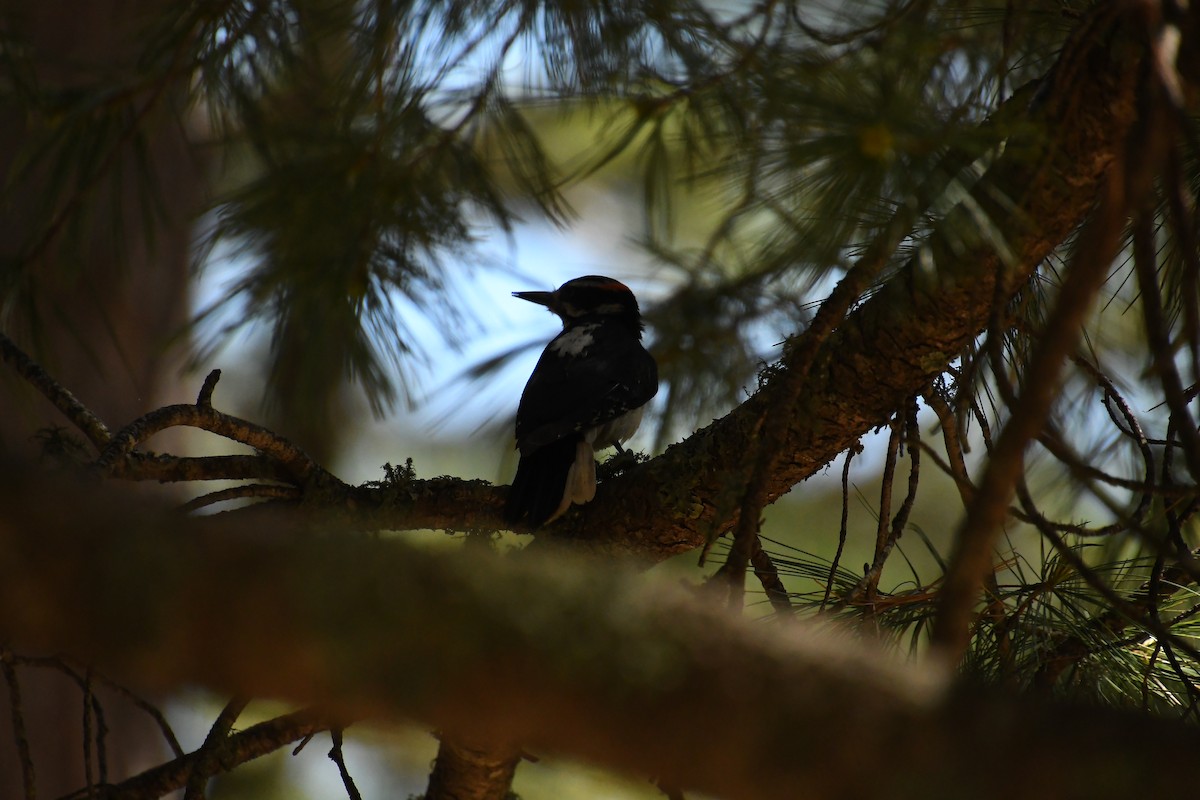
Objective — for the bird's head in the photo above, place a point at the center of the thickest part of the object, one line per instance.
(591, 297)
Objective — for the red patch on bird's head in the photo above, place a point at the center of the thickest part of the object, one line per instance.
(600, 282)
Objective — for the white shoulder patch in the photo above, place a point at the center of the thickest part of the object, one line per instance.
(574, 341)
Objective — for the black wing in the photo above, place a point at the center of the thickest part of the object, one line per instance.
(571, 393)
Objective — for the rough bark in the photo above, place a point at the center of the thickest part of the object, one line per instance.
(469, 769)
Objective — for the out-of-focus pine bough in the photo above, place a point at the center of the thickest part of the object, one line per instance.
(925, 203)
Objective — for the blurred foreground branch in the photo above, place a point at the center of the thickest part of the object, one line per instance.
(564, 655)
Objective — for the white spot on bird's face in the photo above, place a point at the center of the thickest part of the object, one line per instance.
(574, 341)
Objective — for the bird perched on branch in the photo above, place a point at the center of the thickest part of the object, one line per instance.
(586, 393)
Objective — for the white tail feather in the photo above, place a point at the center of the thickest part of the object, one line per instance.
(581, 480)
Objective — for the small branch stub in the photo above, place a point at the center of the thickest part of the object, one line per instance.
(204, 399)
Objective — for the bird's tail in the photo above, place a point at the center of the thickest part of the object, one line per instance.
(581, 477)
(550, 479)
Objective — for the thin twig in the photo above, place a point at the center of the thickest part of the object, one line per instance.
(204, 399)
(255, 741)
(854, 35)
(57, 664)
(88, 423)
(147, 708)
(253, 490)
(335, 755)
(895, 434)
(1159, 339)
(842, 529)
(1179, 200)
(20, 735)
(768, 576)
(956, 466)
(211, 752)
(887, 534)
(101, 740)
(1189, 683)
(87, 734)
(1129, 426)
(302, 468)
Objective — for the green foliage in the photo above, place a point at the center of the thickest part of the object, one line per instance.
(1040, 608)
(359, 156)
(361, 152)
(365, 149)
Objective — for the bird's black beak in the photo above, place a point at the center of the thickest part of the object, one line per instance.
(546, 299)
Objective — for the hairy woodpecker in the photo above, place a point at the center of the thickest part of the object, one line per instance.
(586, 393)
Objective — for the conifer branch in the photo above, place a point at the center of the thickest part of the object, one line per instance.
(628, 673)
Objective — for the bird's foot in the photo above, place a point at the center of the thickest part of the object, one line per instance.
(620, 462)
